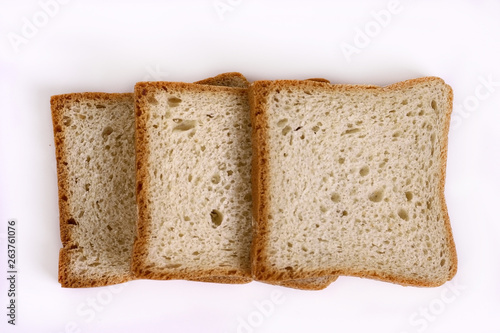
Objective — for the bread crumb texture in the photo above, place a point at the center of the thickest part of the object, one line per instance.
(355, 181)
(197, 179)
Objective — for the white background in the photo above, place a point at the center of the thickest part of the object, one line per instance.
(108, 46)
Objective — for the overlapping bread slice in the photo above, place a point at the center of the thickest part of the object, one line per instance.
(95, 152)
(350, 180)
(94, 140)
(193, 153)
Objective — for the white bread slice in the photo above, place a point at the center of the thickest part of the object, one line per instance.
(94, 140)
(193, 181)
(95, 150)
(350, 180)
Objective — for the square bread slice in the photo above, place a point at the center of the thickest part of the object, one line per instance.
(95, 151)
(193, 148)
(349, 180)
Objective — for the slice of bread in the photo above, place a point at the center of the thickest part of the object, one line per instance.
(350, 180)
(193, 181)
(95, 151)
(94, 140)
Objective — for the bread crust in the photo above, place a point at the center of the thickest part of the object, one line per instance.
(231, 79)
(66, 276)
(261, 267)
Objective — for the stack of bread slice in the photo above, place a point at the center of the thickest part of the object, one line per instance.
(291, 183)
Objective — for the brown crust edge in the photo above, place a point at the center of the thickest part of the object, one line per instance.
(59, 104)
(261, 271)
(231, 79)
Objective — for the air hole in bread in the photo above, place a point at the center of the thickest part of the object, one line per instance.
(66, 121)
(174, 101)
(248, 197)
(109, 227)
(215, 179)
(409, 195)
(364, 171)
(100, 106)
(344, 213)
(335, 197)
(286, 130)
(282, 122)
(152, 100)
(71, 221)
(376, 196)
(351, 131)
(404, 102)
(107, 131)
(216, 218)
(341, 160)
(434, 105)
(323, 209)
(402, 213)
(184, 125)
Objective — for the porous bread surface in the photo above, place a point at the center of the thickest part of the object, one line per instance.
(94, 136)
(350, 180)
(194, 156)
